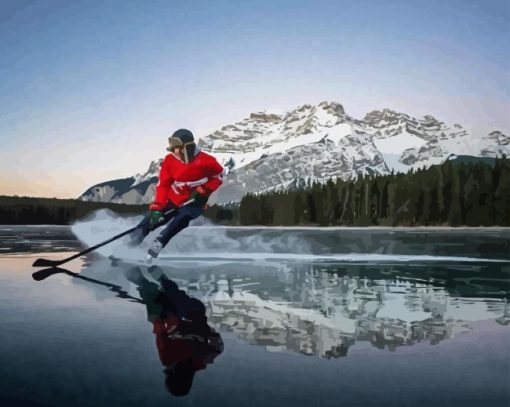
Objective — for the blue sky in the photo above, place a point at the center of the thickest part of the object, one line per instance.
(90, 91)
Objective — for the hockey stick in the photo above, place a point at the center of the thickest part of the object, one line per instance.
(43, 274)
(56, 263)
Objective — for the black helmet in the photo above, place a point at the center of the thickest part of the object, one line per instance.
(179, 378)
(183, 137)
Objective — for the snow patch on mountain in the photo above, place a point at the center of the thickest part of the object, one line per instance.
(338, 132)
(394, 163)
(398, 143)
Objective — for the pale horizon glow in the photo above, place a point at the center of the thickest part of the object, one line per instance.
(90, 90)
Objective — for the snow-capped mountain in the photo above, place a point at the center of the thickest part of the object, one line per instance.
(269, 151)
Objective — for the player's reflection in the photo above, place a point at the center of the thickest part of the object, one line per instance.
(185, 342)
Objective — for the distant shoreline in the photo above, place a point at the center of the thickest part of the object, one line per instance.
(390, 228)
(365, 227)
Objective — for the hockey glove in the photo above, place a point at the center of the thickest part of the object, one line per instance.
(200, 195)
(155, 218)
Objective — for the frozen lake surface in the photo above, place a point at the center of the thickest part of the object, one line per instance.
(257, 317)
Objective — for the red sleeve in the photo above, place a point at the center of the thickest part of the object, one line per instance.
(164, 184)
(214, 171)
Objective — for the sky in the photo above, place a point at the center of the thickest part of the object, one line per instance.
(91, 90)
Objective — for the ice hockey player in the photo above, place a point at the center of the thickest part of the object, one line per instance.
(186, 173)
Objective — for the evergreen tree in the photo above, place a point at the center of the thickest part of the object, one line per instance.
(455, 193)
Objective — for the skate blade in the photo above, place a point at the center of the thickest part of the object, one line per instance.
(149, 259)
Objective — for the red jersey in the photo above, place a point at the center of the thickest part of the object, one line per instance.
(177, 180)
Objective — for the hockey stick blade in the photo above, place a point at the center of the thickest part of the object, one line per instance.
(45, 273)
(46, 263)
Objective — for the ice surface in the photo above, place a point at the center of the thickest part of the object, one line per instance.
(336, 258)
(217, 244)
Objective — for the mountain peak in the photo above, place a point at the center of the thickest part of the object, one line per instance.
(333, 107)
(266, 117)
(382, 118)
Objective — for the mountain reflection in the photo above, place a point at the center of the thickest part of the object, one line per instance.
(330, 317)
(323, 313)
(323, 310)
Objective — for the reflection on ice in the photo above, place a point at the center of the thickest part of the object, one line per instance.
(185, 341)
(324, 310)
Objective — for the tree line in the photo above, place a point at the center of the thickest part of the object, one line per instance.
(51, 211)
(461, 192)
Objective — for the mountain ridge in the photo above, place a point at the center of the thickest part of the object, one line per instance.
(313, 143)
